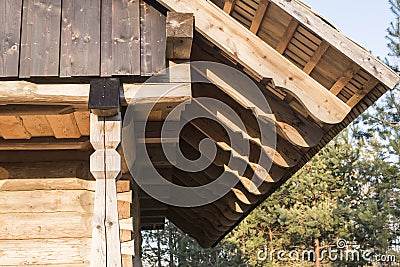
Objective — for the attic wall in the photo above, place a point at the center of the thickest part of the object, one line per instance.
(72, 38)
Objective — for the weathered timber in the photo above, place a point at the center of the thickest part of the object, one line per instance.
(153, 39)
(40, 40)
(180, 30)
(10, 37)
(120, 38)
(80, 38)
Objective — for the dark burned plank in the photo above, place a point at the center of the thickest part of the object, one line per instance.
(153, 39)
(80, 38)
(10, 21)
(120, 36)
(40, 38)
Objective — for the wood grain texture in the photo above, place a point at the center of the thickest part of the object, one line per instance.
(120, 38)
(64, 126)
(180, 31)
(80, 38)
(40, 38)
(153, 40)
(259, 16)
(42, 201)
(10, 37)
(54, 225)
(37, 125)
(247, 49)
(105, 166)
(42, 252)
(12, 127)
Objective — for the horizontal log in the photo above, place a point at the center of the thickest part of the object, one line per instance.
(46, 143)
(20, 226)
(43, 252)
(46, 201)
(22, 92)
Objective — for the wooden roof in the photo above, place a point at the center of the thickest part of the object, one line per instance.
(315, 79)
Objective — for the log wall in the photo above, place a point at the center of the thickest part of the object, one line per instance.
(46, 218)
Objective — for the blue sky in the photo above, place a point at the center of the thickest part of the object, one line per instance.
(364, 21)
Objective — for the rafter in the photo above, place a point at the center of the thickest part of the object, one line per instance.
(287, 36)
(366, 88)
(229, 5)
(247, 49)
(345, 79)
(258, 17)
(322, 48)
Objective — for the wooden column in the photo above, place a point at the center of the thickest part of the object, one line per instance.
(105, 166)
(137, 260)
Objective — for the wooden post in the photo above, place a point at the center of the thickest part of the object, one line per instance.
(180, 31)
(105, 166)
(137, 260)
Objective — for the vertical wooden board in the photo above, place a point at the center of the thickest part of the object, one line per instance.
(12, 127)
(82, 119)
(153, 39)
(37, 125)
(64, 126)
(80, 38)
(40, 38)
(10, 21)
(106, 61)
(126, 37)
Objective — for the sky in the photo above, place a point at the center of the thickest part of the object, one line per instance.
(364, 21)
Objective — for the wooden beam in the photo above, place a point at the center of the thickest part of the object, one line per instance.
(352, 50)
(345, 79)
(366, 88)
(32, 110)
(45, 143)
(322, 48)
(247, 49)
(287, 36)
(105, 166)
(180, 30)
(22, 92)
(229, 5)
(259, 16)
